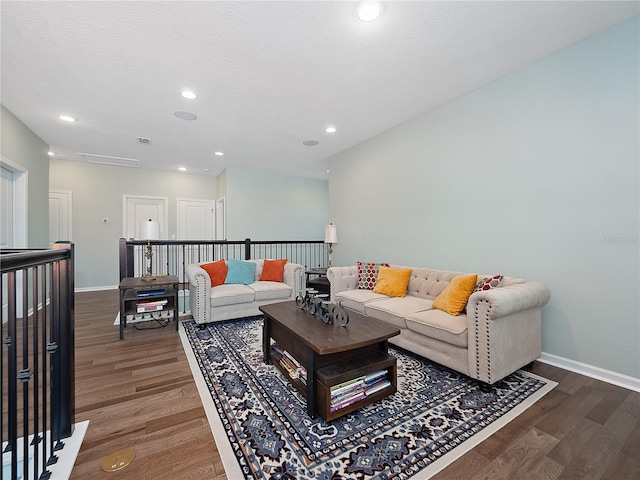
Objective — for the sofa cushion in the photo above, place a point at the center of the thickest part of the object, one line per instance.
(393, 310)
(240, 272)
(231, 294)
(455, 296)
(368, 274)
(392, 281)
(272, 270)
(217, 272)
(356, 299)
(270, 290)
(440, 325)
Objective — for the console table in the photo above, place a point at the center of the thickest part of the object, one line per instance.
(135, 290)
(319, 282)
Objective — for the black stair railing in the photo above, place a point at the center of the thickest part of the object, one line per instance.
(37, 361)
(170, 257)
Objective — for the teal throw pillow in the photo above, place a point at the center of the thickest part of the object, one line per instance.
(240, 272)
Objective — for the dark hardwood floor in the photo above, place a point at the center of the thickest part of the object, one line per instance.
(139, 393)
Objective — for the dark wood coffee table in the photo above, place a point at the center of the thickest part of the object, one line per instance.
(331, 354)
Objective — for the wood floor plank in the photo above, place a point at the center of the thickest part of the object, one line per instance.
(138, 393)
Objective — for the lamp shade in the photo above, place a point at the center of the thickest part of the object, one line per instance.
(150, 230)
(330, 233)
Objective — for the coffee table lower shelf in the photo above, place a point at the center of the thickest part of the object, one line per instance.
(342, 372)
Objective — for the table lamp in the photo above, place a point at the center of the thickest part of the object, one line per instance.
(330, 237)
(149, 230)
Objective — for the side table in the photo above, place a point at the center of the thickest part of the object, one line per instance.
(135, 290)
(320, 282)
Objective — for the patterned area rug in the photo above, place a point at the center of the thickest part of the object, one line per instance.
(262, 430)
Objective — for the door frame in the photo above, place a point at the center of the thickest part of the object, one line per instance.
(221, 219)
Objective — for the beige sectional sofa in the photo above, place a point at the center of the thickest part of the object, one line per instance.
(224, 302)
(499, 333)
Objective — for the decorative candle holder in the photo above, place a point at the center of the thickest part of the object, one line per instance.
(314, 303)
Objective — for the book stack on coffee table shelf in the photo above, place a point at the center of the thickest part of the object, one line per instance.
(358, 388)
(294, 368)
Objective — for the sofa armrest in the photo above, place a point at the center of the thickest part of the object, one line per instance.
(341, 279)
(505, 329)
(503, 301)
(199, 292)
(292, 276)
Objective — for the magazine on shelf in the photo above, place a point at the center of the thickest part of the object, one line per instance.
(346, 385)
(150, 293)
(376, 387)
(345, 403)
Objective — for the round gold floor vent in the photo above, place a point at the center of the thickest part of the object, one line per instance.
(117, 460)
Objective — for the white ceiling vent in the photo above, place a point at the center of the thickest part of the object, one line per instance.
(145, 141)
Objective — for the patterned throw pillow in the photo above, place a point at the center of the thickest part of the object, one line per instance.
(487, 283)
(368, 274)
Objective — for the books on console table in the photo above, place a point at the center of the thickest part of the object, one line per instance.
(151, 306)
(151, 293)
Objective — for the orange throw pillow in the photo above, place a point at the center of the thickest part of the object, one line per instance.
(453, 299)
(392, 282)
(272, 270)
(217, 272)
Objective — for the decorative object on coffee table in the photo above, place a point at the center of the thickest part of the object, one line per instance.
(317, 304)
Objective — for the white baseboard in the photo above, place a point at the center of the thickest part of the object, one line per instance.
(598, 373)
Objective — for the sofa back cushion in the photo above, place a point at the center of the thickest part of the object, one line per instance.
(429, 282)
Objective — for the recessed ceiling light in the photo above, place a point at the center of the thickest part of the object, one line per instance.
(51, 154)
(310, 143)
(189, 94)
(67, 118)
(330, 129)
(368, 12)
(182, 169)
(219, 154)
(185, 115)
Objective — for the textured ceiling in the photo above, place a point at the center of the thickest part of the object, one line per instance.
(269, 75)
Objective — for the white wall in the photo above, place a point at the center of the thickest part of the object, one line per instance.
(263, 205)
(97, 194)
(535, 175)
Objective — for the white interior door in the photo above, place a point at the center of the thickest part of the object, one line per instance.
(13, 221)
(136, 210)
(195, 222)
(13, 205)
(60, 207)
(195, 219)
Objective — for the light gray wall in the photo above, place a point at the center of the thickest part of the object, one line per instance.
(262, 205)
(535, 175)
(24, 148)
(97, 193)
